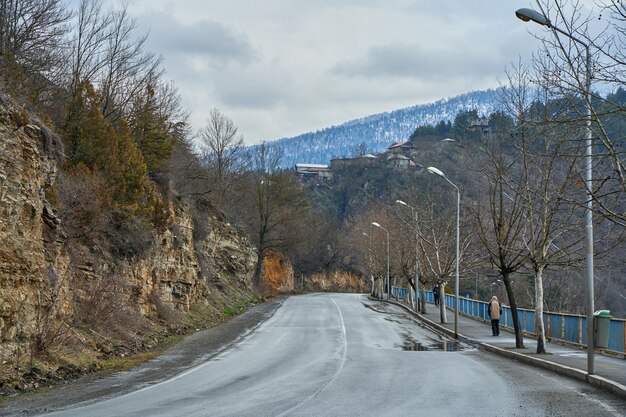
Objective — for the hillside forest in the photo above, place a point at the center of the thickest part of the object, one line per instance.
(122, 227)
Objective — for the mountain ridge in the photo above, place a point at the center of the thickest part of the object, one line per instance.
(378, 131)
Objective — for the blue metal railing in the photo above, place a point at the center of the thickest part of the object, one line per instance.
(564, 327)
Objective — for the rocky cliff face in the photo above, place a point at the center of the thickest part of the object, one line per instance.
(181, 270)
(50, 284)
(277, 273)
(30, 256)
(340, 281)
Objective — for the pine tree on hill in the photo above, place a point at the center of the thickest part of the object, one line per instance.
(94, 142)
(149, 130)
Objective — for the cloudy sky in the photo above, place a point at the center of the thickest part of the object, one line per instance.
(278, 68)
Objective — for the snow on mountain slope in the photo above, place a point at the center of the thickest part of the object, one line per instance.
(378, 131)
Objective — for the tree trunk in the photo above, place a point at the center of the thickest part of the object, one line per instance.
(442, 302)
(519, 338)
(258, 270)
(539, 325)
(423, 300)
(383, 284)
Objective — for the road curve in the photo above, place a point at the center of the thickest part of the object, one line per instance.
(345, 355)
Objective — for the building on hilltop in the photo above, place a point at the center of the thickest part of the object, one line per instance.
(313, 170)
(364, 160)
(401, 147)
(398, 155)
(399, 161)
(480, 125)
(337, 163)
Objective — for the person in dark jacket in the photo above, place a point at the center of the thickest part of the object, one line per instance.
(495, 311)
(436, 294)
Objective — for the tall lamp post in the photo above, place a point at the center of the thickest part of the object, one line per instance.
(528, 15)
(436, 171)
(417, 265)
(386, 231)
(369, 259)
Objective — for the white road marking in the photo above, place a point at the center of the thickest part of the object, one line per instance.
(343, 361)
(221, 352)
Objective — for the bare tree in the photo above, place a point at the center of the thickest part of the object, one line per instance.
(437, 230)
(32, 31)
(127, 66)
(501, 216)
(410, 265)
(362, 242)
(546, 177)
(90, 36)
(85, 204)
(277, 201)
(571, 59)
(359, 150)
(371, 244)
(31, 43)
(107, 51)
(501, 224)
(222, 150)
(562, 69)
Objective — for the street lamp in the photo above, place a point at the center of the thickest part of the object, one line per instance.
(531, 15)
(476, 287)
(498, 283)
(434, 170)
(417, 268)
(369, 258)
(386, 231)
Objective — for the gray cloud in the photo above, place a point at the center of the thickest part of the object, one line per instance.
(256, 88)
(415, 61)
(203, 38)
(279, 67)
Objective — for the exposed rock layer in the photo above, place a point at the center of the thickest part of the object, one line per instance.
(40, 280)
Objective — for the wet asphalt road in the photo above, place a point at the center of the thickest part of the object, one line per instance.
(344, 355)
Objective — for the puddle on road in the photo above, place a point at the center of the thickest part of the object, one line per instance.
(389, 319)
(381, 307)
(408, 343)
(432, 345)
(443, 346)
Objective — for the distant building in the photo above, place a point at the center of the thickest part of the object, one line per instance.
(313, 170)
(339, 163)
(480, 125)
(399, 155)
(399, 161)
(367, 160)
(401, 147)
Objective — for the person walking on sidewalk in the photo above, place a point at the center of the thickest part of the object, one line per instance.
(495, 311)
(436, 294)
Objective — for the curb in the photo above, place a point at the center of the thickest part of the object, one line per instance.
(596, 380)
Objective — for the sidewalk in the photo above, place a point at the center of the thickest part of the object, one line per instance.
(610, 372)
